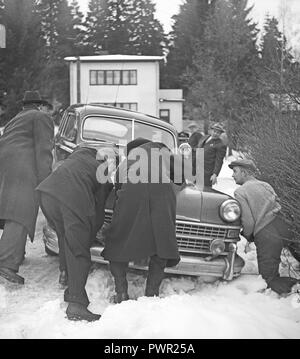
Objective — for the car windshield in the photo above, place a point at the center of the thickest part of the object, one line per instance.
(120, 131)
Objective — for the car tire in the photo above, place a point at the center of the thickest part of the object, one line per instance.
(49, 252)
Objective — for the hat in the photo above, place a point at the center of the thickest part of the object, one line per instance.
(218, 126)
(33, 97)
(245, 163)
(193, 124)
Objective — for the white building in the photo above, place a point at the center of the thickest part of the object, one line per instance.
(127, 81)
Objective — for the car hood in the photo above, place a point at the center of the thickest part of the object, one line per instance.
(200, 205)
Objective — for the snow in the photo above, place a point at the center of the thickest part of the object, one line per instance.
(188, 308)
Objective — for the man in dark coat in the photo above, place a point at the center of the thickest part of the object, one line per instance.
(73, 202)
(25, 160)
(143, 224)
(214, 153)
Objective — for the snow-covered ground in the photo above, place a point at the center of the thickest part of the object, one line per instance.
(187, 308)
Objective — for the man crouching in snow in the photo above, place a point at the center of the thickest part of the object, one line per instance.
(73, 200)
(262, 223)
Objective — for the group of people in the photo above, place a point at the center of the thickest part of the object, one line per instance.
(72, 198)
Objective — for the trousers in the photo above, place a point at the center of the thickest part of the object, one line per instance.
(155, 275)
(74, 241)
(269, 243)
(12, 245)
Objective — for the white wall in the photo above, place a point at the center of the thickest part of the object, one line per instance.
(172, 100)
(145, 93)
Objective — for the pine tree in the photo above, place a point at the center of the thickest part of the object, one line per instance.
(79, 33)
(60, 37)
(22, 58)
(223, 78)
(124, 27)
(277, 60)
(146, 32)
(188, 28)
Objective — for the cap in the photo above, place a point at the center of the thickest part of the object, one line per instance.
(218, 126)
(193, 124)
(249, 164)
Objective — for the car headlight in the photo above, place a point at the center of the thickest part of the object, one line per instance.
(230, 210)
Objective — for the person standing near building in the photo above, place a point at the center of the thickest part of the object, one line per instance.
(262, 223)
(73, 200)
(214, 153)
(25, 160)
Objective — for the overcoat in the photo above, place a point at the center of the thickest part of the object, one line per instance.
(143, 222)
(214, 153)
(75, 185)
(25, 160)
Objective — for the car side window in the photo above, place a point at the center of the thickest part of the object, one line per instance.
(69, 130)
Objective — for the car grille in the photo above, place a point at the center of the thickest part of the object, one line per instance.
(192, 237)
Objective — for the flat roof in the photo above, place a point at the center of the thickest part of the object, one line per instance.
(98, 58)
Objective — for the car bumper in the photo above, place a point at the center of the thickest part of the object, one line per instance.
(222, 267)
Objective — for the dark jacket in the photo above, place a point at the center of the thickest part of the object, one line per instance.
(25, 160)
(75, 185)
(214, 153)
(143, 222)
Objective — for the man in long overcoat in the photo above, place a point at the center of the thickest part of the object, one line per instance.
(25, 160)
(214, 153)
(73, 202)
(143, 225)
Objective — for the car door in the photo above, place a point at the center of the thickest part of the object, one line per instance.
(66, 138)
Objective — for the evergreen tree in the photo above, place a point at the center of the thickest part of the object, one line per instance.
(21, 61)
(277, 61)
(60, 37)
(188, 28)
(223, 78)
(79, 33)
(124, 27)
(146, 32)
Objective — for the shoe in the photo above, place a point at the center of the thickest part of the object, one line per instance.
(63, 278)
(120, 297)
(11, 276)
(77, 311)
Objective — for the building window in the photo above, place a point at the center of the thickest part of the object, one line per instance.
(164, 115)
(113, 77)
(133, 106)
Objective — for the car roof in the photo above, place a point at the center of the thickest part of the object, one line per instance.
(98, 109)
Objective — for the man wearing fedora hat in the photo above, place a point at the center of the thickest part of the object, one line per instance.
(262, 223)
(214, 153)
(25, 160)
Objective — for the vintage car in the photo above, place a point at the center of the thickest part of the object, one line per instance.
(207, 221)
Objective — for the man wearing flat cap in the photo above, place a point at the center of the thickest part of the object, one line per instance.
(25, 160)
(262, 223)
(214, 153)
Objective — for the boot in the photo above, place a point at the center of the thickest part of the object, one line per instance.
(11, 276)
(120, 297)
(63, 278)
(77, 311)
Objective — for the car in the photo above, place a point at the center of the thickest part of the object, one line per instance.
(207, 221)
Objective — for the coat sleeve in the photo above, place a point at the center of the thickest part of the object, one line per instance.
(220, 154)
(100, 199)
(248, 221)
(43, 133)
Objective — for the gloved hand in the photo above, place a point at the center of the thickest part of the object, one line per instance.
(282, 285)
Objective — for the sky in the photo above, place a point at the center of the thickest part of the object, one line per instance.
(167, 8)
